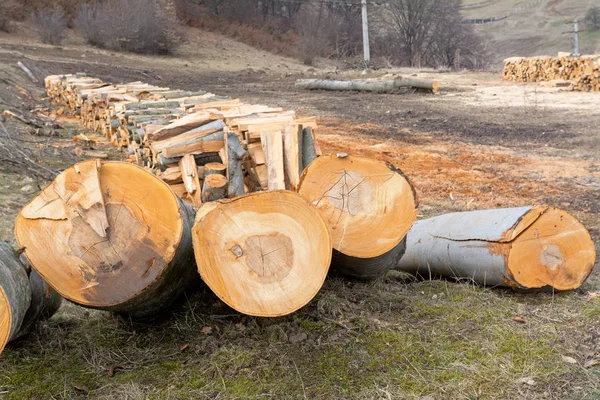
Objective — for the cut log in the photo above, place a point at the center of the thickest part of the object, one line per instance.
(272, 144)
(182, 125)
(235, 155)
(15, 294)
(524, 248)
(381, 86)
(144, 262)
(214, 187)
(45, 302)
(189, 174)
(215, 168)
(264, 254)
(369, 206)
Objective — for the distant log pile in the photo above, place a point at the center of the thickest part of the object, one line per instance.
(583, 72)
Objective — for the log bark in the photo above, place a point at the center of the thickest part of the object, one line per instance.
(309, 150)
(214, 187)
(369, 207)
(524, 248)
(291, 153)
(382, 86)
(143, 263)
(15, 294)
(264, 254)
(235, 155)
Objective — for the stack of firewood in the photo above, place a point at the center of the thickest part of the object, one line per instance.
(583, 72)
(182, 136)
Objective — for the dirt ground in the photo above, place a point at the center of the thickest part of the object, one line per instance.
(479, 143)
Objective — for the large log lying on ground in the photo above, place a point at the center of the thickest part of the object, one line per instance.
(15, 294)
(525, 248)
(264, 254)
(25, 298)
(369, 207)
(369, 86)
(110, 236)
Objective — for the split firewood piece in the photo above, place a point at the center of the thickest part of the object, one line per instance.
(525, 248)
(291, 152)
(215, 168)
(141, 265)
(15, 294)
(369, 206)
(45, 301)
(235, 155)
(272, 145)
(171, 175)
(207, 144)
(189, 173)
(264, 254)
(214, 187)
(187, 137)
(182, 125)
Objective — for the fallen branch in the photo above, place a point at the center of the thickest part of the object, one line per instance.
(28, 72)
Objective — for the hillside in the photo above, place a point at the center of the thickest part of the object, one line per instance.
(533, 27)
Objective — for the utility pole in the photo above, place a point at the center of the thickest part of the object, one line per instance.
(576, 41)
(365, 29)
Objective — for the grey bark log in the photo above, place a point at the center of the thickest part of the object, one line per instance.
(382, 86)
(15, 284)
(235, 154)
(309, 152)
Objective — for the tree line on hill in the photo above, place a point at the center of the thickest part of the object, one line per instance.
(416, 33)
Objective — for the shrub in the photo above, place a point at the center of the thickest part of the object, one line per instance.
(51, 25)
(592, 18)
(5, 24)
(138, 26)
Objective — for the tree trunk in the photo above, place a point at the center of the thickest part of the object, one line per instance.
(264, 254)
(214, 187)
(381, 86)
(15, 294)
(369, 207)
(138, 264)
(525, 248)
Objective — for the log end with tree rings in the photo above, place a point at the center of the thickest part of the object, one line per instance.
(550, 247)
(15, 294)
(110, 235)
(264, 254)
(368, 205)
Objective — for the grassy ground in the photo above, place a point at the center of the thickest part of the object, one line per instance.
(390, 339)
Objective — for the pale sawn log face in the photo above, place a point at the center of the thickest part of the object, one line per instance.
(368, 205)
(264, 254)
(145, 230)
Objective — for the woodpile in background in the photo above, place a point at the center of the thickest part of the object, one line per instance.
(580, 73)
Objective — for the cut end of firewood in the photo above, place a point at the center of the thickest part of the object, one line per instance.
(368, 205)
(101, 233)
(5, 319)
(264, 254)
(550, 248)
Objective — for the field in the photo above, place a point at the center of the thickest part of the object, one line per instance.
(479, 143)
(534, 27)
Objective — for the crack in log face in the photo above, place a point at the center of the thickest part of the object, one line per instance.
(270, 256)
(348, 193)
(104, 257)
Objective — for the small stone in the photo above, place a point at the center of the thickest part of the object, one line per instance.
(298, 337)
(26, 188)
